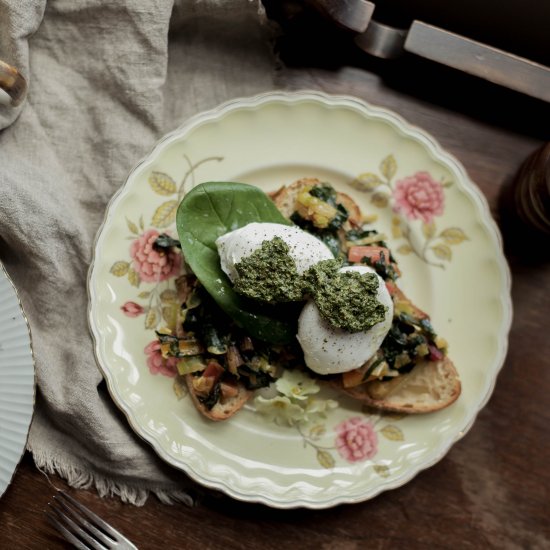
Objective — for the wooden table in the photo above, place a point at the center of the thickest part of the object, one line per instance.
(492, 490)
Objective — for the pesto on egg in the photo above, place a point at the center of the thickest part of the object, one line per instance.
(346, 300)
(269, 274)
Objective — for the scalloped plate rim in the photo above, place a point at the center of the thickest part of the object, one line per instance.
(398, 123)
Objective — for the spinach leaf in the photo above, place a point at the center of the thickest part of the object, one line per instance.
(210, 210)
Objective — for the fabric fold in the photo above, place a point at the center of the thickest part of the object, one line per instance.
(108, 79)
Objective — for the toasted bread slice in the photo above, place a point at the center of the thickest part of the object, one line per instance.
(285, 199)
(430, 386)
(224, 408)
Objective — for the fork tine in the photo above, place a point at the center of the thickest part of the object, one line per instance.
(73, 514)
(104, 526)
(69, 535)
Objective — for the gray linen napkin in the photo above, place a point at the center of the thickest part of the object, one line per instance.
(107, 80)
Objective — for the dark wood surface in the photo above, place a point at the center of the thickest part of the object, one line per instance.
(492, 490)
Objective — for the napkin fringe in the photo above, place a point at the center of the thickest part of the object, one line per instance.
(80, 479)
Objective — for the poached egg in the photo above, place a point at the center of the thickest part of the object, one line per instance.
(305, 249)
(327, 349)
(331, 350)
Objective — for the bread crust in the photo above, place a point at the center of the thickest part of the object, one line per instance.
(428, 387)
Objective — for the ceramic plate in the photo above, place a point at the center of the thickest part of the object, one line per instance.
(16, 380)
(438, 225)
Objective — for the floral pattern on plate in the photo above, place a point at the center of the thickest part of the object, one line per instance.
(354, 439)
(417, 197)
(146, 264)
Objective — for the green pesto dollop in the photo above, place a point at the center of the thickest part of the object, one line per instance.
(269, 274)
(347, 300)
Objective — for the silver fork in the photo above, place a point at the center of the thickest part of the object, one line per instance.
(80, 526)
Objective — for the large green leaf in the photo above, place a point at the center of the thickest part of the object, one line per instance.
(210, 210)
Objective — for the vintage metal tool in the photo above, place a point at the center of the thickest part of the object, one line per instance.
(439, 45)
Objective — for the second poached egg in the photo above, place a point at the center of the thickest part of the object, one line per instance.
(331, 350)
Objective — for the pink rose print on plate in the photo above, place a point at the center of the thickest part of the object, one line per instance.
(419, 197)
(153, 265)
(131, 309)
(356, 439)
(157, 363)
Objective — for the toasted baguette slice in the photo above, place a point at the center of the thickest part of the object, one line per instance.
(285, 199)
(430, 386)
(223, 409)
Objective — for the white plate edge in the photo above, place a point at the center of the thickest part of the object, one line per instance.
(4, 271)
(409, 129)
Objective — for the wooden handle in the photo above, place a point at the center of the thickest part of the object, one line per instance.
(13, 83)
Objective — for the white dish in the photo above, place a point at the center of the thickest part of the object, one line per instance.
(451, 257)
(17, 383)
